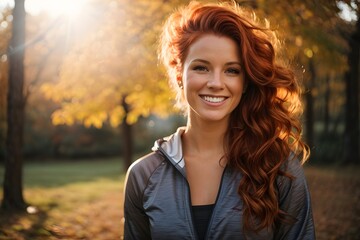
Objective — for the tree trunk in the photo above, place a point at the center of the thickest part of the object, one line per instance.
(13, 189)
(352, 132)
(128, 141)
(309, 110)
(327, 105)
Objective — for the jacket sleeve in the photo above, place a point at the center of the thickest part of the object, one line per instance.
(295, 201)
(136, 224)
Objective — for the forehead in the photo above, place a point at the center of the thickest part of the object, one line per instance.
(214, 47)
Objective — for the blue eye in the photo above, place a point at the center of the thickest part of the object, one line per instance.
(200, 68)
(233, 71)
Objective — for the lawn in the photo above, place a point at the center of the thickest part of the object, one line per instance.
(83, 200)
(335, 196)
(76, 200)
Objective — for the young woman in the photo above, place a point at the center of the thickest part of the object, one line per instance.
(234, 171)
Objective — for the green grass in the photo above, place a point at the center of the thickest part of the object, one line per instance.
(83, 200)
(47, 182)
(72, 199)
(55, 174)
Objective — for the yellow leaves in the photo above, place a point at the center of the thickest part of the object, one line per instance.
(298, 41)
(116, 116)
(60, 117)
(306, 14)
(95, 120)
(71, 113)
(48, 91)
(308, 52)
(117, 60)
(132, 117)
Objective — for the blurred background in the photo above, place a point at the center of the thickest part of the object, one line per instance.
(82, 95)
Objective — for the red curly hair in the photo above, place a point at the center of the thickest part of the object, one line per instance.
(264, 129)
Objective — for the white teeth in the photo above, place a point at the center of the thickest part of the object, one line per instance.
(213, 99)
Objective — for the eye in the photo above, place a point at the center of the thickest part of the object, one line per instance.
(200, 68)
(233, 71)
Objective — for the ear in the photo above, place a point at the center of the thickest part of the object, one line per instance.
(179, 71)
(179, 81)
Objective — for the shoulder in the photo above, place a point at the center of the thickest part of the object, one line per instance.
(295, 201)
(295, 182)
(146, 164)
(293, 167)
(141, 170)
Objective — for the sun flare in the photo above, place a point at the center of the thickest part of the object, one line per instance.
(54, 7)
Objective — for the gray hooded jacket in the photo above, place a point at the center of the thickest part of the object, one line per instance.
(157, 201)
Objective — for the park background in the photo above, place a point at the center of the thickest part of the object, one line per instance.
(82, 95)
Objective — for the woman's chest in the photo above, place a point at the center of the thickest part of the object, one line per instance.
(167, 203)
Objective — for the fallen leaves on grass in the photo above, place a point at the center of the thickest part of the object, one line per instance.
(77, 212)
(69, 213)
(335, 195)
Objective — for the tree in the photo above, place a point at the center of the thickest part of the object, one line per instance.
(309, 96)
(13, 195)
(4, 42)
(24, 73)
(313, 41)
(113, 75)
(352, 77)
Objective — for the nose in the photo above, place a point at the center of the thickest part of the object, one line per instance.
(216, 81)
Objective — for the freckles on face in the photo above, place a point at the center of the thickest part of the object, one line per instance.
(212, 77)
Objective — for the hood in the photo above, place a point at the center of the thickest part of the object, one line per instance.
(171, 147)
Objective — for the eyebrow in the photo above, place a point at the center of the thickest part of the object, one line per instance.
(207, 62)
(200, 60)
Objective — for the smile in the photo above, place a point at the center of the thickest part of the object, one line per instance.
(213, 99)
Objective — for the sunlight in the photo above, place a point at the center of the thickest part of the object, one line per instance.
(54, 8)
(6, 4)
(31, 210)
(346, 12)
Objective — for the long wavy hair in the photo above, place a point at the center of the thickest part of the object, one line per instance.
(264, 129)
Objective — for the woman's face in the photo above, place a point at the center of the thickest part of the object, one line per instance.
(212, 78)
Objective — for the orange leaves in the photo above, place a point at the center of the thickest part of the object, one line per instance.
(115, 61)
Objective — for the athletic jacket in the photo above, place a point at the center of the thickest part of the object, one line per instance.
(157, 201)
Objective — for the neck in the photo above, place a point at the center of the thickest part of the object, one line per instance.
(204, 137)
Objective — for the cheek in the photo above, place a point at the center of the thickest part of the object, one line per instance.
(237, 87)
(193, 82)
(237, 91)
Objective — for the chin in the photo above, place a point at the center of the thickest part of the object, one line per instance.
(215, 118)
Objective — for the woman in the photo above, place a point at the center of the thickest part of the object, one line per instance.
(233, 171)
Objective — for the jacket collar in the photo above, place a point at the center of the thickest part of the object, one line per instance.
(171, 147)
